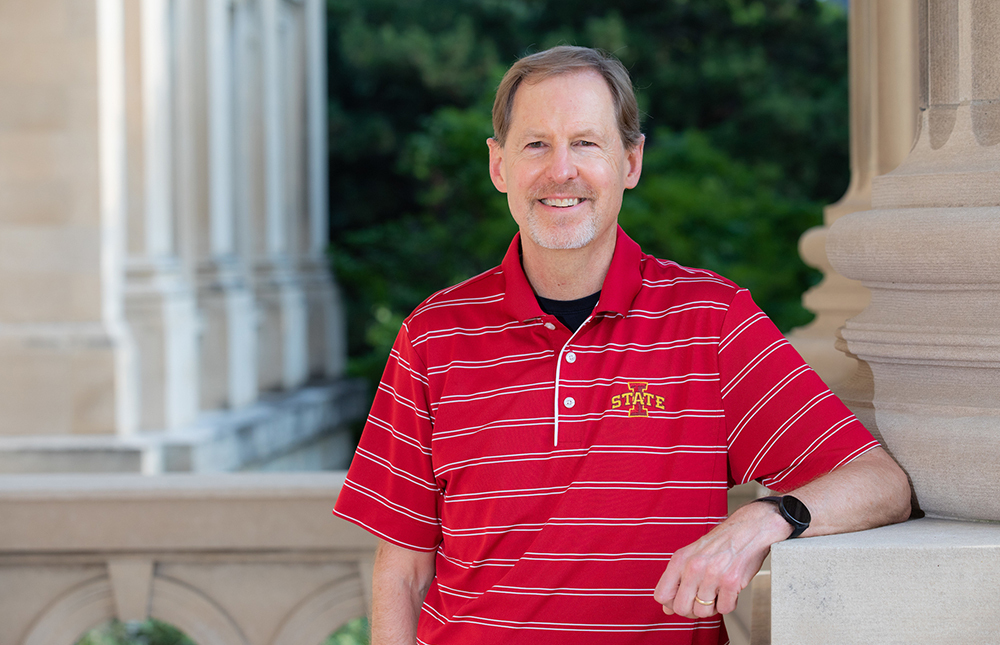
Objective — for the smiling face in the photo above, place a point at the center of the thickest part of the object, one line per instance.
(564, 166)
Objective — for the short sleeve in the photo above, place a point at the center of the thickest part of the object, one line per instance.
(785, 427)
(390, 488)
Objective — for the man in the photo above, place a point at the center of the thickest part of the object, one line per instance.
(549, 451)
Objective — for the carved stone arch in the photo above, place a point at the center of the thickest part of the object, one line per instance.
(76, 612)
(322, 613)
(194, 613)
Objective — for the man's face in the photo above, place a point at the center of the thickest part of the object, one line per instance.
(564, 166)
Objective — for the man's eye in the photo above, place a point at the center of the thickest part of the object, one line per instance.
(535, 144)
(587, 143)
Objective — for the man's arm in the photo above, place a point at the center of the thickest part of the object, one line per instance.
(868, 492)
(399, 584)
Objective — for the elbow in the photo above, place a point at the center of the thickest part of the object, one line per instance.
(900, 502)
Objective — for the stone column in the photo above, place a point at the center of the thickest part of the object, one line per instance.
(277, 285)
(228, 344)
(930, 253)
(929, 343)
(65, 352)
(327, 331)
(883, 104)
(159, 302)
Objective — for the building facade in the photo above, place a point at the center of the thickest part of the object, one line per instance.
(165, 297)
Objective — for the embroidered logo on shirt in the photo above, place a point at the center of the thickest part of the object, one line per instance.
(637, 400)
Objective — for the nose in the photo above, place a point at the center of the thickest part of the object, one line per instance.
(562, 167)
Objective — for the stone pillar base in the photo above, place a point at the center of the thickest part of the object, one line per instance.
(282, 331)
(162, 315)
(304, 430)
(325, 320)
(228, 339)
(925, 581)
(64, 379)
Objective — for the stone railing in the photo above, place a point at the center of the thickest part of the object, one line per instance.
(235, 559)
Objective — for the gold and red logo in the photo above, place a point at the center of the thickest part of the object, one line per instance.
(637, 400)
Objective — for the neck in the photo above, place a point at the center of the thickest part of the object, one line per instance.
(567, 274)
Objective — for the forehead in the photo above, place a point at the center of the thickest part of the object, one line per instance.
(580, 100)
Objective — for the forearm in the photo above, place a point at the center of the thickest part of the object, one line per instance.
(399, 584)
(868, 492)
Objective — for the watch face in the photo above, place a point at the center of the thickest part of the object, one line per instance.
(795, 509)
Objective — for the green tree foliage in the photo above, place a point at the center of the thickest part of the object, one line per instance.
(150, 632)
(745, 109)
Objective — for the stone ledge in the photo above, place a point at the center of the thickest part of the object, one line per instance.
(280, 431)
(75, 514)
(923, 581)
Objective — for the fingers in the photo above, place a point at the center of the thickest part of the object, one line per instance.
(666, 588)
(685, 588)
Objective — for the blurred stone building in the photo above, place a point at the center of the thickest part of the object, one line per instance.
(165, 298)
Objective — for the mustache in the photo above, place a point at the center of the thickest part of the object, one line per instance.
(572, 188)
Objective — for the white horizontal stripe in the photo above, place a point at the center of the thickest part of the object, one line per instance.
(385, 425)
(669, 282)
(596, 557)
(580, 452)
(402, 400)
(739, 329)
(581, 521)
(775, 389)
(451, 591)
(749, 367)
(680, 379)
(493, 362)
(462, 302)
(694, 341)
(585, 485)
(568, 591)
(489, 394)
(476, 564)
(651, 413)
(857, 453)
(405, 365)
(392, 468)
(493, 425)
(373, 530)
(385, 501)
(696, 305)
(708, 623)
(809, 405)
(811, 448)
(476, 331)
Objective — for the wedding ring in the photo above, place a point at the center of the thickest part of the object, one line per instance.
(704, 602)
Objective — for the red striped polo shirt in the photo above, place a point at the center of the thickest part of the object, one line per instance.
(554, 473)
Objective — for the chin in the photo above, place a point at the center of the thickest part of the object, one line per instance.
(562, 239)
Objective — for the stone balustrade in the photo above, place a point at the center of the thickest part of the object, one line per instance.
(230, 559)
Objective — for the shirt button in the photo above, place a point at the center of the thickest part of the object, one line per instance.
(569, 401)
(571, 357)
(549, 326)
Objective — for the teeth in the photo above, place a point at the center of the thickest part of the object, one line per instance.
(562, 203)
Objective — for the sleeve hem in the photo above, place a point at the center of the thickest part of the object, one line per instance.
(384, 536)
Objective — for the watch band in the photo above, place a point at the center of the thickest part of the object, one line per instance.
(793, 510)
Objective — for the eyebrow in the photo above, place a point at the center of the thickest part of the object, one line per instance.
(586, 133)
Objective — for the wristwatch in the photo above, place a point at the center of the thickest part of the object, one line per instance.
(793, 510)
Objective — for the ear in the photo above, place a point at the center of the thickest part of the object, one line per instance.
(633, 163)
(496, 165)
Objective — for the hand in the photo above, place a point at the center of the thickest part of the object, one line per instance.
(719, 565)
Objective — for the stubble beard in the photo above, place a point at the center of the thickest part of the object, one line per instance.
(562, 232)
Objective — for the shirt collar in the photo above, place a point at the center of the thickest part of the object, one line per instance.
(621, 285)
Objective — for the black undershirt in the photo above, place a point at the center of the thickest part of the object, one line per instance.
(571, 313)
